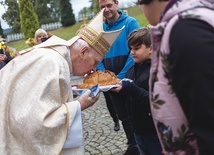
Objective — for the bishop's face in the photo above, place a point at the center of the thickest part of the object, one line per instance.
(86, 62)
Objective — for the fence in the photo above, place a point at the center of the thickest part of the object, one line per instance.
(88, 15)
(19, 36)
(14, 37)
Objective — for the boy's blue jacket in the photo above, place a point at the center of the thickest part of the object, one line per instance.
(118, 58)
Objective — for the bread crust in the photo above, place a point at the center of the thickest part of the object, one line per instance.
(102, 78)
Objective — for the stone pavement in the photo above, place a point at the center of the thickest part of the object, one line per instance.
(99, 136)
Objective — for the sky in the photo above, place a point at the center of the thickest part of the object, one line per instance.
(77, 5)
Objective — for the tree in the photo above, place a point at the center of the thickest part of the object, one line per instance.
(55, 13)
(95, 6)
(1, 31)
(28, 17)
(66, 13)
(45, 11)
(85, 14)
(11, 15)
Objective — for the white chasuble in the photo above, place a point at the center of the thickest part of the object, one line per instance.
(37, 109)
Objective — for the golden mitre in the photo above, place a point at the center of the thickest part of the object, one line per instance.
(95, 36)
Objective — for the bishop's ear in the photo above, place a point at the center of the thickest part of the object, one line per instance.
(83, 51)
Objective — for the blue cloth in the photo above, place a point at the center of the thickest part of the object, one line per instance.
(118, 58)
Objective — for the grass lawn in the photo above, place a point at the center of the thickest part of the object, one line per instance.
(70, 31)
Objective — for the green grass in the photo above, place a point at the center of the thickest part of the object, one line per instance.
(136, 13)
(70, 31)
(63, 32)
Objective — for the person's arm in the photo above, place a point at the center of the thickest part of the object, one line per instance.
(130, 89)
(75, 128)
(57, 83)
(192, 72)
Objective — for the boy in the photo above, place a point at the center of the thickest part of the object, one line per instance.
(137, 92)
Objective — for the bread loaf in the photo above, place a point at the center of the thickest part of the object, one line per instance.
(102, 78)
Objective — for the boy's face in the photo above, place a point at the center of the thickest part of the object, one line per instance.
(140, 54)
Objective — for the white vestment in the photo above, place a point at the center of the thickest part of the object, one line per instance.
(37, 109)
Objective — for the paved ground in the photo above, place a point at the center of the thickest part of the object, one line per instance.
(100, 138)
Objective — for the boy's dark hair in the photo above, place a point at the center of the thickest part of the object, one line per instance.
(140, 36)
(141, 2)
(113, 1)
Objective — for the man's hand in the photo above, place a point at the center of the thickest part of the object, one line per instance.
(87, 101)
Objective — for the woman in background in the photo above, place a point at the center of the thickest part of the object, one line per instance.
(40, 36)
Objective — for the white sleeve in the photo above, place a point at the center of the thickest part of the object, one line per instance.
(75, 134)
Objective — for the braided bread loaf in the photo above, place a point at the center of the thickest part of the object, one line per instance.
(102, 78)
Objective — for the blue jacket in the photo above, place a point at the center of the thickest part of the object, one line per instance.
(118, 58)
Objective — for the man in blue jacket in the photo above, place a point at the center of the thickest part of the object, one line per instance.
(118, 60)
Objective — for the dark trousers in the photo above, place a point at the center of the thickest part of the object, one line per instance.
(148, 144)
(110, 107)
(120, 108)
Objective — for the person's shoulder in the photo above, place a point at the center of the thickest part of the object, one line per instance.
(197, 27)
(197, 34)
(129, 20)
(124, 16)
(47, 52)
(48, 56)
(193, 23)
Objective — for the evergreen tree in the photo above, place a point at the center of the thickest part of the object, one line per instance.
(28, 17)
(55, 11)
(11, 15)
(1, 31)
(46, 10)
(66, 13)
(95, 6)
(45, 13)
